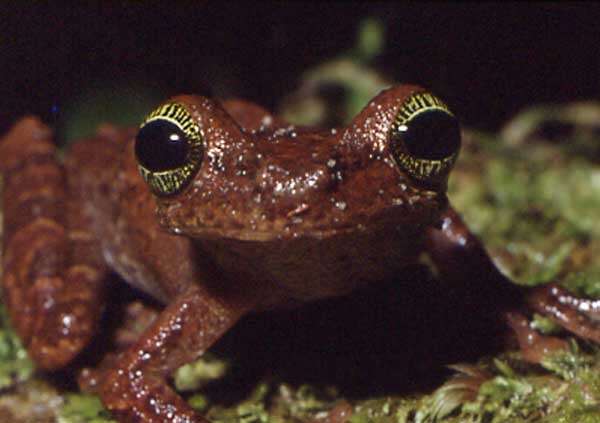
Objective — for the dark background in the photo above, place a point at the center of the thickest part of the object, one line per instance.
(488, 61)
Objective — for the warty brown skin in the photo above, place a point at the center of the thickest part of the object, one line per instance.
(275, 216)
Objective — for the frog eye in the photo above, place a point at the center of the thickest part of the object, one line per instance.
(425, 138)
(169, 149)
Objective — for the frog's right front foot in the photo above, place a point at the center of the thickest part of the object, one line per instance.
(136, 388)
(133, 396)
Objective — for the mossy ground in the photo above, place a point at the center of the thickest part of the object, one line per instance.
(383, 356)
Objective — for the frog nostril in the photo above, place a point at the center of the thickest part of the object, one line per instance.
(161, 145)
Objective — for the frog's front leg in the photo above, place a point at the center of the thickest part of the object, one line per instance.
(53, 271)
(459, 254)
(137, 389)
(580, 316)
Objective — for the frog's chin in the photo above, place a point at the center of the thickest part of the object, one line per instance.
(393, 218)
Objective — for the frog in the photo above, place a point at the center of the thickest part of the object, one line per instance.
(219, 208)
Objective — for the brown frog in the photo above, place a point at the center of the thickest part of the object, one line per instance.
(235, 211)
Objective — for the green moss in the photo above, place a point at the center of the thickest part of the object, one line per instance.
(81, 408)
(370, 41)
(503, 398)
(251, 410)
(15, 365)
(384, 410)
(536, 212)
(197, 374)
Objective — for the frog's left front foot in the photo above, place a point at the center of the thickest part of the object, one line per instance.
(580, 316)
(460, 255)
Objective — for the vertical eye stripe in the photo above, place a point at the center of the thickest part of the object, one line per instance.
(169, 181)
(424, 169)
(416, 104)
(176, 114)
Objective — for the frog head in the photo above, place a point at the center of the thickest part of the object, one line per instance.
(213, 176)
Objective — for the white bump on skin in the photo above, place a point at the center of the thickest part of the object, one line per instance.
(341, 205)
(267, 120)
(67, 322)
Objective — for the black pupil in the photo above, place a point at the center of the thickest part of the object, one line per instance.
(161, 145)
(432, 135)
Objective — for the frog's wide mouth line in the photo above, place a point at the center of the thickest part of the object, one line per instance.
(252, 236)
(391, 217)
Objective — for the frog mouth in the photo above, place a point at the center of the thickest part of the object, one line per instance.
(422, 207)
